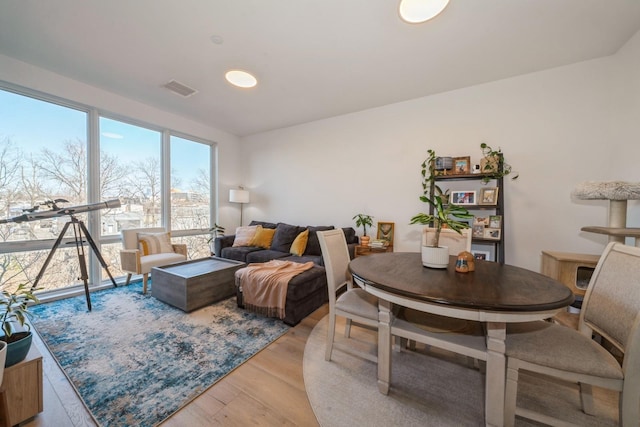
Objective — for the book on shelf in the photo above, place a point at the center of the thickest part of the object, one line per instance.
(378, 243)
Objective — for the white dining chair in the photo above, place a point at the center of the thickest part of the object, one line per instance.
(355, 304)
(611, 309)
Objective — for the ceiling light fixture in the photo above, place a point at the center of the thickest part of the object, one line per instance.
(216, 39)
(240, 78)
(418, 11)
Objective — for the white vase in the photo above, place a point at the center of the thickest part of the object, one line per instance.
(435, 257)
(3, 358)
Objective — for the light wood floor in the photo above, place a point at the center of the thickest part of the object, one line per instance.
(266, 390)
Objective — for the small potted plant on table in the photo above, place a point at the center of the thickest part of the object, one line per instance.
(363, 220)
(444, 214)
(13, 316)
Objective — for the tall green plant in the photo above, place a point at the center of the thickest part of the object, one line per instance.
(444, 213)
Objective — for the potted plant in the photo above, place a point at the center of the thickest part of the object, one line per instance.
(363, 220)
(493, 164)
(13, 315)
(444, 215)
(217, 231)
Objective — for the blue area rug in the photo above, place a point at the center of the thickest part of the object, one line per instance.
(135, 360)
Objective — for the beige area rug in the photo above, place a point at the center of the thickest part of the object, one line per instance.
(427, 389)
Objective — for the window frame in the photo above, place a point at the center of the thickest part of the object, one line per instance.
(93, 176)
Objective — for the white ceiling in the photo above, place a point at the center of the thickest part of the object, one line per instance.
(313, 59)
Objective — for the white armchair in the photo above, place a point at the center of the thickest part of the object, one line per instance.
(145, 248)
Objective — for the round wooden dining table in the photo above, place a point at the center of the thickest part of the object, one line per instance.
(494, 293)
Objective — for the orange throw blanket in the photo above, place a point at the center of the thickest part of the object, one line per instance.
(264, 285)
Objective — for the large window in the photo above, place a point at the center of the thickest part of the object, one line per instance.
(46, 156)
(130, 170)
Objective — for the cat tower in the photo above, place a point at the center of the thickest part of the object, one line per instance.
(617, 193)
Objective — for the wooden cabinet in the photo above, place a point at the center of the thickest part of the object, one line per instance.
(571, 269)
(22, 386)
(574, 271)
(474, 182)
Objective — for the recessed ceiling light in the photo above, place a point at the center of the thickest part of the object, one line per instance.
(418, 11)
(241, 78)
(217, 39)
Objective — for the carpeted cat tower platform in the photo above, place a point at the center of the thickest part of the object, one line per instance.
(618, 193)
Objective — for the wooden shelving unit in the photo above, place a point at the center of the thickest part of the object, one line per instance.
(497, 209)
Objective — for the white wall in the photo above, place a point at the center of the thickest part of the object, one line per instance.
(557, 128)
(624, 163)
(229, 175)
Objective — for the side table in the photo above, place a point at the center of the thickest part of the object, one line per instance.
(574, 271)
(22, 387)
(571, 269)
(368, 250)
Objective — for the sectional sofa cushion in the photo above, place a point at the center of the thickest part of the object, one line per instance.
(238, 253)
(264, 255)
(245, 235)
(313, 244)
(263, 237)
(264, 224)
(350, 235)
(284, 237)
(300, 243)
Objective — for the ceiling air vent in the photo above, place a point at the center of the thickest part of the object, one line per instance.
(179, 88)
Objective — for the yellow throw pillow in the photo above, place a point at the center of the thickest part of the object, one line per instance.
(263, 237)
(244, 235)
(155, 243)
(300, 243)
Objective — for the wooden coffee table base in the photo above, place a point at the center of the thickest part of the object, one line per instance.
(190, 285)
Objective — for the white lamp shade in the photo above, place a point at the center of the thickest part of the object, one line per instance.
(238, 196)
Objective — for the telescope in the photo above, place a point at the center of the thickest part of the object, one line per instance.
(57, 211)
(79, 230)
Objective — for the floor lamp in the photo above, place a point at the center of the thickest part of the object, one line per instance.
(239, 196)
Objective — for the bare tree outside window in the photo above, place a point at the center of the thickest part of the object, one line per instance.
(47, 160)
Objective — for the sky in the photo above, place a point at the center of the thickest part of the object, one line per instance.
(34, 125)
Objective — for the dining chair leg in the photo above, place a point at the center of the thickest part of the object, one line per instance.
(586, 398)
(330, 336)
(128, 279)
(510, 396)
(629, 409)
(347, 329)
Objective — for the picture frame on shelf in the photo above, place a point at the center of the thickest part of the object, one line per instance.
(482, 220)
(492, 233)
(462, 165)
(386, 232)
(483, 255)
(477, 230)
(495, 221)
(488, 196)
(463, 198)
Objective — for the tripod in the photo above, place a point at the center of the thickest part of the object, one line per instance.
(78, 230)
